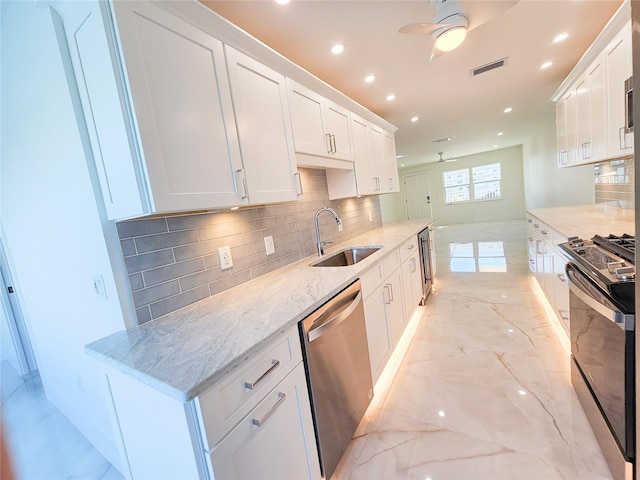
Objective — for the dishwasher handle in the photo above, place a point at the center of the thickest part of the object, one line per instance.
(343, 312)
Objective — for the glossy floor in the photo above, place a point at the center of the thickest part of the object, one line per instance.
(484, 390)
(42, 443)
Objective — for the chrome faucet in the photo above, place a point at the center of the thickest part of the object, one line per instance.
(320, 243)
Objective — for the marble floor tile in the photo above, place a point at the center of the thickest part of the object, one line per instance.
(484, 390)
(42, 443)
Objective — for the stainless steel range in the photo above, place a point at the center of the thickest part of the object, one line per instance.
(601, 277)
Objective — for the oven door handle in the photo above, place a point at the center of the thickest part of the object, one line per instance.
(577, 287)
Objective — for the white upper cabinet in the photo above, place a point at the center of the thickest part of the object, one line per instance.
(320, 127)
(362, 154)
(175, 112)
(264, 129)
(390, 163)
(590, 109)
(618, 69)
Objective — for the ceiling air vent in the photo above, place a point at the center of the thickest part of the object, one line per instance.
(489, 66)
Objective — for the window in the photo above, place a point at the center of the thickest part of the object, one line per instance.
(477, 183)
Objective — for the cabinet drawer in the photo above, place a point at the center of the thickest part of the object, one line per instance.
(390, 263)
(371, 279)
(408, 248)
(224, 404)
(275, 440)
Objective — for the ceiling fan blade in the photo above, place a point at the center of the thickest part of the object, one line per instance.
(479, 13)
(421, 28)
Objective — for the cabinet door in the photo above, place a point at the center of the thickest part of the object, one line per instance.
(276, 439)
(308, 120)
(377, 335)
(618, 69)
(182, 102)
(597, 111)
(362, 156)
(376, 140)
(338, 119)
(572, 139)
(394, 305)
(583, 121)
(411, 284)
(264, 129)
(390, 163)
(561, 128)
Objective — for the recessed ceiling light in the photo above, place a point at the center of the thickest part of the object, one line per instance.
(282, 2)
(400, 156)
(337, 48)
(500, 134)
(495, 146)
(402, 164)
(546, 65)
(369, 78)
(508, 110)
(414, 119)
(391, 97)
(560, 37)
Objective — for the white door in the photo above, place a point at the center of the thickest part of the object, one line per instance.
(417, 191)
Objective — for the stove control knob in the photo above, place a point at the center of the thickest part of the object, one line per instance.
(580, 251)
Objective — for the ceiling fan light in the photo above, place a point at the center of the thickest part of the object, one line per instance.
(451, 39)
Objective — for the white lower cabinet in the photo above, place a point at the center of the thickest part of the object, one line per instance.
(275, 440)
(547, 264)
(411, 283)
(384, 310)
(254, 423)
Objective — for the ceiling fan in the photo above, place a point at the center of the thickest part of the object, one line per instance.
(444, 160)
(452, 21)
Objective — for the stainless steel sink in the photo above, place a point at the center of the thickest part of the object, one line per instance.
(347, 256)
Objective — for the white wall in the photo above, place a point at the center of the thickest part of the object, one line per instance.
(52, 225)
(545, 184)
(509, 207)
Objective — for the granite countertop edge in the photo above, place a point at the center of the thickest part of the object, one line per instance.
(184, 353)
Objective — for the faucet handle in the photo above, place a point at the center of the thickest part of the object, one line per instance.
(326, 242)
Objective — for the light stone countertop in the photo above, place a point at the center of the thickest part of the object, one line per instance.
(187, 351)
(585, 221)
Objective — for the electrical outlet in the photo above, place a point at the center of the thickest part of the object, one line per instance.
(98, 286)
(226, 261)
(268, 245)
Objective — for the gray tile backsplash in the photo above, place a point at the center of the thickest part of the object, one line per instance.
(614, 183)
(172, 261)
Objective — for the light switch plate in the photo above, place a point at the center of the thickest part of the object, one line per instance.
(268, 245)
(98, 286)
(226, 261)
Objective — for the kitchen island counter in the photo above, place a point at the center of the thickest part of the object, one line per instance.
(187, 351)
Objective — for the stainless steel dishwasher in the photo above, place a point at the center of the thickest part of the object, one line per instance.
(338, 371)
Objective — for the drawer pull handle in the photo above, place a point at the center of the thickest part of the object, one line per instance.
(274, 364)
(410, 246)
(561, 277)
(259, 422)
